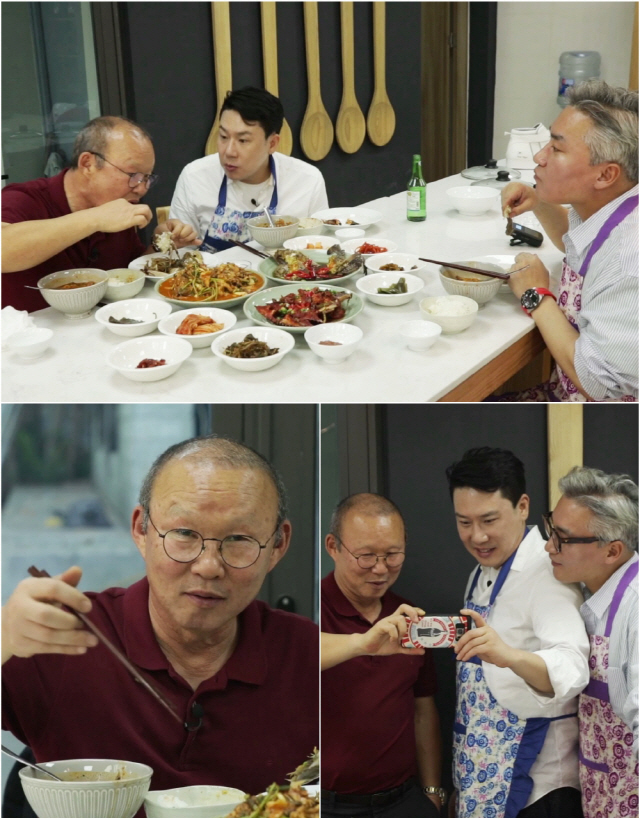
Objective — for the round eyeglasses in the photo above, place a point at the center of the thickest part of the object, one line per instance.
(558, 541)
(135, 179)
(369, 560)
(186, 546)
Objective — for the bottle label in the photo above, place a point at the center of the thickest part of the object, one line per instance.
(413, 200)
(440, 631)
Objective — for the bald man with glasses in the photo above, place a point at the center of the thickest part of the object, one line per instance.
(86, 216)
(380, 727)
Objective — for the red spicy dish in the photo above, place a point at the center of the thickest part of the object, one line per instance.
(306, 308)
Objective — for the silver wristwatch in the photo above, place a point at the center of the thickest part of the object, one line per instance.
(430, 790)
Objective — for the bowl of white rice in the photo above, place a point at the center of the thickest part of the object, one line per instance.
(453, 313)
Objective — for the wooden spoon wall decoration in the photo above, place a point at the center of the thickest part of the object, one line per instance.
(381, 119)
(270, 64)
(316, 132)
(222, 63)
(351, 128)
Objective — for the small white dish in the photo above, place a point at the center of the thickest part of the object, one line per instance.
(353, 245)
(149, 311)
(274, 337)
(410, 263)
(369, 285)
(345, 234)
(308, 226)
(30, 343)
(454, 321)
(300, 242)
(360, 217)
(123, 283)
(192, 801)
(419, 335)
(346, 338)
(169, 325)
(472, 200)
(126, 356)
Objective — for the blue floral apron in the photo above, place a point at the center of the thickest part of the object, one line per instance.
(493, 749)
(230, 224)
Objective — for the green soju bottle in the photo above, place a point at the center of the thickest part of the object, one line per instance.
(416, 193)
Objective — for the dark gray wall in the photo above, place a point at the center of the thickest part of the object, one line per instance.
(172, 87)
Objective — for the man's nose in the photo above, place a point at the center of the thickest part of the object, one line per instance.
(478, 535)
(231, 148)
(210, 562)
(550, 546)
(380, 566)
(541, 157)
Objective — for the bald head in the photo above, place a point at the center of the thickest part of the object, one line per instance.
(97, 134)
(208, 451)
(364, 504)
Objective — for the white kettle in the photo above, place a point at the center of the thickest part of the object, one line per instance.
(524, 144)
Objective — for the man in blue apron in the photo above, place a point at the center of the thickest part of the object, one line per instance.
(593, 538)
(590, 324)
(220, 192)
(520, 670)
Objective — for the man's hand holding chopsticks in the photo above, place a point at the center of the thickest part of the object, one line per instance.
(33, 621)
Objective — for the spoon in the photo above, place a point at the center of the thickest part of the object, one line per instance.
(266, 210)
(30, 764)
(381, 119)
(351, 127)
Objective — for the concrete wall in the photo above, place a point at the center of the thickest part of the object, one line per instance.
(531, 37)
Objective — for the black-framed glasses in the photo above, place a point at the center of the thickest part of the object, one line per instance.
(186, 546)
(558, 541)
(368, 561)
(135, 179)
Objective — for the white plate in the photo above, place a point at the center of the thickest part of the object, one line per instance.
(138, 264)
(365, 217)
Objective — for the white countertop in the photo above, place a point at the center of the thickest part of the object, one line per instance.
(382, 369)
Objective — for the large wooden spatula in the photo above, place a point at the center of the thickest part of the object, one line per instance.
(270, 65)
(222, 63)
(316, 133)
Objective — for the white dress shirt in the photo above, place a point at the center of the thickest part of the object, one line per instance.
(301, 191)
(623, 643)
(535, 612)
(606, 354)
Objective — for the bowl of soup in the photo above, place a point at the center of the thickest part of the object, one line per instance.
(90, 788)
(74, 292)
(285, 227)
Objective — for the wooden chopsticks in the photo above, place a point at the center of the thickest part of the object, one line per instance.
(491, 273)
(135, 672)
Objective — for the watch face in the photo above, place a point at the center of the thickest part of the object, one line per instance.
(530, 299)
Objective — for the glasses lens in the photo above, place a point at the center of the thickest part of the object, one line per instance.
(395, 558)
(366, 561)
(240, 551)
(183, 545)
(148, 180)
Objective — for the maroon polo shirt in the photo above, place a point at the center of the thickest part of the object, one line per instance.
(368, 705)
(260, 710)
(45, 199)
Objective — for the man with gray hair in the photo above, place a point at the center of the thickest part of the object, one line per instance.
(242, 677)
(590, 325)
(593, 539)
(86, 216)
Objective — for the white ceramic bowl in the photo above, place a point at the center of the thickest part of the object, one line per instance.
(411, 264)
(420, 335)
(369, 286)
(150, 311)
(272, 236)
(86, 798)
(75, 304)
(193, 801)
(363, 217)
(123, 283)
(30, 343)
(473, 199)
(347, 336)
(352, 245)
(308, 226)
(272, 336)
(450, 323)
(170, 324)
(126, 356)
(346, 234)
(481, 291)
(300, 242)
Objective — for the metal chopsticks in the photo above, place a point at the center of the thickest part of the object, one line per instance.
(135, 673)
(491, 273)
(251, 249)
